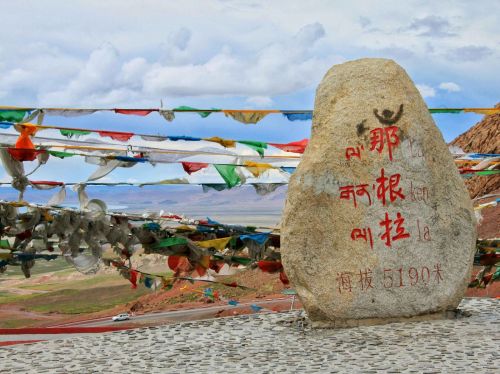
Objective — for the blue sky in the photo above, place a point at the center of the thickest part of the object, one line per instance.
(236, 54)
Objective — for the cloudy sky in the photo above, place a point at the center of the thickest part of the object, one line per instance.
(238, 54)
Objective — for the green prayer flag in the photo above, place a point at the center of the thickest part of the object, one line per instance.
(61, 154)
(255, 145)
(228, 173)
(487, 172)
(70, 133)
(12, 115)
(241, 260)
(169, 242)
(184, 108)
(455, 111)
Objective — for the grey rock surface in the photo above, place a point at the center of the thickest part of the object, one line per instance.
(275, 343)
(378, 225)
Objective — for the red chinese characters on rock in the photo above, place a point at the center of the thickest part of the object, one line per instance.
(380, 138)
(388, 187)
(387, 224)
(384, 137)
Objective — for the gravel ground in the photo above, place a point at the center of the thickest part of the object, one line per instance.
(275, 343)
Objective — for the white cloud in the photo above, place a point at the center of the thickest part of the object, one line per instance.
(450, 87)
(426, 91)
(231, 48)
(260, 101)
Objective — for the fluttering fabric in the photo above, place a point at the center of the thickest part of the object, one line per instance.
(133, 112)
(120, 136)
(218, 244)
(263, 189)
(167, 114)
(183, 137)
(226, 143)
(24, 147)
(69, 112)
(61, 154)
(229, 174)
(192, 167)
(296, 147)
(184, 108)
(259, 238)
(12, 115)
(58, 198)
(105, 169)
(257, 168)
(255, 145)
(248, 116)
(291, 116)
(76, 133)
(485, 111)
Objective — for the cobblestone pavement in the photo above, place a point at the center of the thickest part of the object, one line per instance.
(275, 343)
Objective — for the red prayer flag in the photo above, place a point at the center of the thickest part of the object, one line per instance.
(24, 154)
(296, 147)
(133, 278)
(191, 167)
(269, 266)
(133, 112)
(47, 183)
(173, 262)
(115, 135)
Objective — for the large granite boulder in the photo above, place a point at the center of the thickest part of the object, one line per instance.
(378, 225)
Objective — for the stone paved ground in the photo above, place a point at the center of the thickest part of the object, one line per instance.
(276, 343)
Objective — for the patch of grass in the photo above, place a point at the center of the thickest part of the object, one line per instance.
(9, 297)
(16, 323)
(87, 282)
(184, 298)
(77, 301)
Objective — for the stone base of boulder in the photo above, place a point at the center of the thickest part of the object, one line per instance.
(348, 323)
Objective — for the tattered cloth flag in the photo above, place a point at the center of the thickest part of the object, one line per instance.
(248, 116)
(293, 116)
(229, 174)
(192, 167)
(226, 143)
(24, 148)
(485, 111)
(134, 112)
(257, 168)
(133, 278)
(296, 147)
(259, 238)
(61, 154)
(182, 137)
(12, 115)
(218, 244)
(255, 145)
(202, 114)
(70, 133)
(115, 135)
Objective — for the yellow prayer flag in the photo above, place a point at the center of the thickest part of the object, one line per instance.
(218, 244)
(485, 111)
(227, 143)
(257, 168)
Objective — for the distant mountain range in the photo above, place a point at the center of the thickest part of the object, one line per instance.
(238, 205)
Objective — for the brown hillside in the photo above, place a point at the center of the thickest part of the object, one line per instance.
(484, 137)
